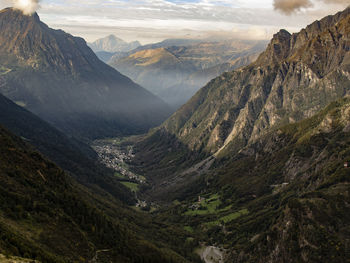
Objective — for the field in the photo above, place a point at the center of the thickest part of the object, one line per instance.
(134, 187)
(208, 206)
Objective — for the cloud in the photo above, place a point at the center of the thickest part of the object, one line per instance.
(291, 6)
(346, 2)
(28, 7)
(154, 20)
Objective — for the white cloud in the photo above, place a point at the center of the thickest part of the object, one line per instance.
(153, 20)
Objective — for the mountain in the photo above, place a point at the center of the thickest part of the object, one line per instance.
(293, 79)
(296, 186)
(175, 73)
(75, 157)
(104, 55)
(258, 160)
(171, 42)
(113, 44)
(47, 216)
(283, 198)
(85, 97)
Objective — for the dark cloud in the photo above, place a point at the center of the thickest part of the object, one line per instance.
(290, 6)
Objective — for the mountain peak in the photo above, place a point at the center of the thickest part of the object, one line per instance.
(79, 81)
(112, 37)
(278, 49)
(12, 12)
(112, 43)
(295, 77)
(282, 34)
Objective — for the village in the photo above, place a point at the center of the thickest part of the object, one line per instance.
(113, 156)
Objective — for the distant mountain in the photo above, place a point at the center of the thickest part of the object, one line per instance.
(104, 55)
(57, 76)
(171, 42)
(175, 73)
(113, 44)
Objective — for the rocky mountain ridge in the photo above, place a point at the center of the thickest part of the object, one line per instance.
(293, 79)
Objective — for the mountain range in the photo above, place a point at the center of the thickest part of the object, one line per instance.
(59, 78)
(253, 168)
(297, 76)
(258, 157)
(175, 73)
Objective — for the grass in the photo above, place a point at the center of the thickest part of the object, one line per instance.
(21, 103)
(132, 186)
(188, 229)
(118, 175)
(208, 206)
(228, 218)
(142, 177)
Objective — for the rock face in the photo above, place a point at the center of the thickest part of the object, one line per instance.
(57, 76)
(294, 78)
(175, 73)
(300, 169)
(112, 44)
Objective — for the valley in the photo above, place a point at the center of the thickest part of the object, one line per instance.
(249, 162)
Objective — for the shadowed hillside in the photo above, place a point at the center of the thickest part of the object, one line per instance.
(59, 78)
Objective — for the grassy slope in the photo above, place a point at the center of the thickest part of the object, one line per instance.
(46, 216)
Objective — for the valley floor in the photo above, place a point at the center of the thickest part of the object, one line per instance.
(117, 153)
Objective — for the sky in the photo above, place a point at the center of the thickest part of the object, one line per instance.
(155, 20)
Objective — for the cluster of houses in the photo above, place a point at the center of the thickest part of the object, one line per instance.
(113, 157)
(141, 203)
